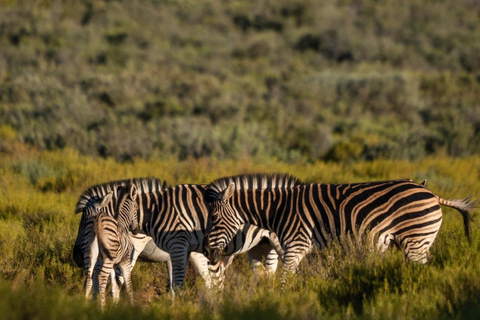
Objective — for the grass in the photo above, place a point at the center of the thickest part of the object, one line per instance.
(38, 228)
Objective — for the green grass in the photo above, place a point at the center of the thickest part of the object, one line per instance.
(40, 281)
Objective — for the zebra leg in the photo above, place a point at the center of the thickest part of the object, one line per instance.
(91, 263)
(96, 272)
(115, 286)
(217, 272)
(88, 283)
(271, 262)
(178, 254)
(168, 264)
(103, 275)
(200, 263)
(292, 259)
(126, 268)
(272, 256)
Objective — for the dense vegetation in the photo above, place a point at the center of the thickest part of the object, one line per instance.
(341, 80)
(189, 91)
(38, 228)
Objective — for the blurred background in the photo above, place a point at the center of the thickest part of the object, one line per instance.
(297, 81)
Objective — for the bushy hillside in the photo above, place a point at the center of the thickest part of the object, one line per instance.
(295, 80)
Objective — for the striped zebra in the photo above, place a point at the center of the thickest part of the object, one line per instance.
(266, 244)
(174, 217)
(86, 249)
(115, 247)
(399, 212)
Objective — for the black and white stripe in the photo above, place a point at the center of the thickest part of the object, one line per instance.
(112, 231)
(85, 252)
(264, 243)
(397, 212)
(174, 217)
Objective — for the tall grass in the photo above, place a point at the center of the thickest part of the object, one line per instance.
(38, 228)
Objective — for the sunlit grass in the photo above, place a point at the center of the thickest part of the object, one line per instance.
(38, 228)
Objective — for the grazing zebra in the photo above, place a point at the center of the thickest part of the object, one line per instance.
(174, 217)
(265, 242)
(397, 212)
(251, 236)
(115, 247)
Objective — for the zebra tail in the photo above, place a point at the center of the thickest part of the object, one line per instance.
(464, 206)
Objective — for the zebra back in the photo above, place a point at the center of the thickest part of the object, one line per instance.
(144, 185)
(254, 181)
(394, 211)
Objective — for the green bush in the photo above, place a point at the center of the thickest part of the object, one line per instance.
(295, 81)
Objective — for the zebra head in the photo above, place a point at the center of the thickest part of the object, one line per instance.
(223, 223)
(127, 209)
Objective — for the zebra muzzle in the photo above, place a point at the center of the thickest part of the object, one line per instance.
(213, 255)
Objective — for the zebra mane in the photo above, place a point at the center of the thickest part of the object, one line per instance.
(255, 181)
(144, 185)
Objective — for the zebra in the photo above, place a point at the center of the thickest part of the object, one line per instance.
(174, 217)
(251, 236)
(399, 212)
(115, 247)
(268, 245)
(85, 251)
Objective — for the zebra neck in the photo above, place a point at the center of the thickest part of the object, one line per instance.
(149, 203)
(255, 207)
(123, 230)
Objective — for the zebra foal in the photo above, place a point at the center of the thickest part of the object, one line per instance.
(85, 253)
(115, 246)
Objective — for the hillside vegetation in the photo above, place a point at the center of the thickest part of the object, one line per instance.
(39, 279)
(295, 80)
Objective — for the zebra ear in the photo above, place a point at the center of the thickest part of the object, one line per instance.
(228, 193)
(133, 192)
(104, 201)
